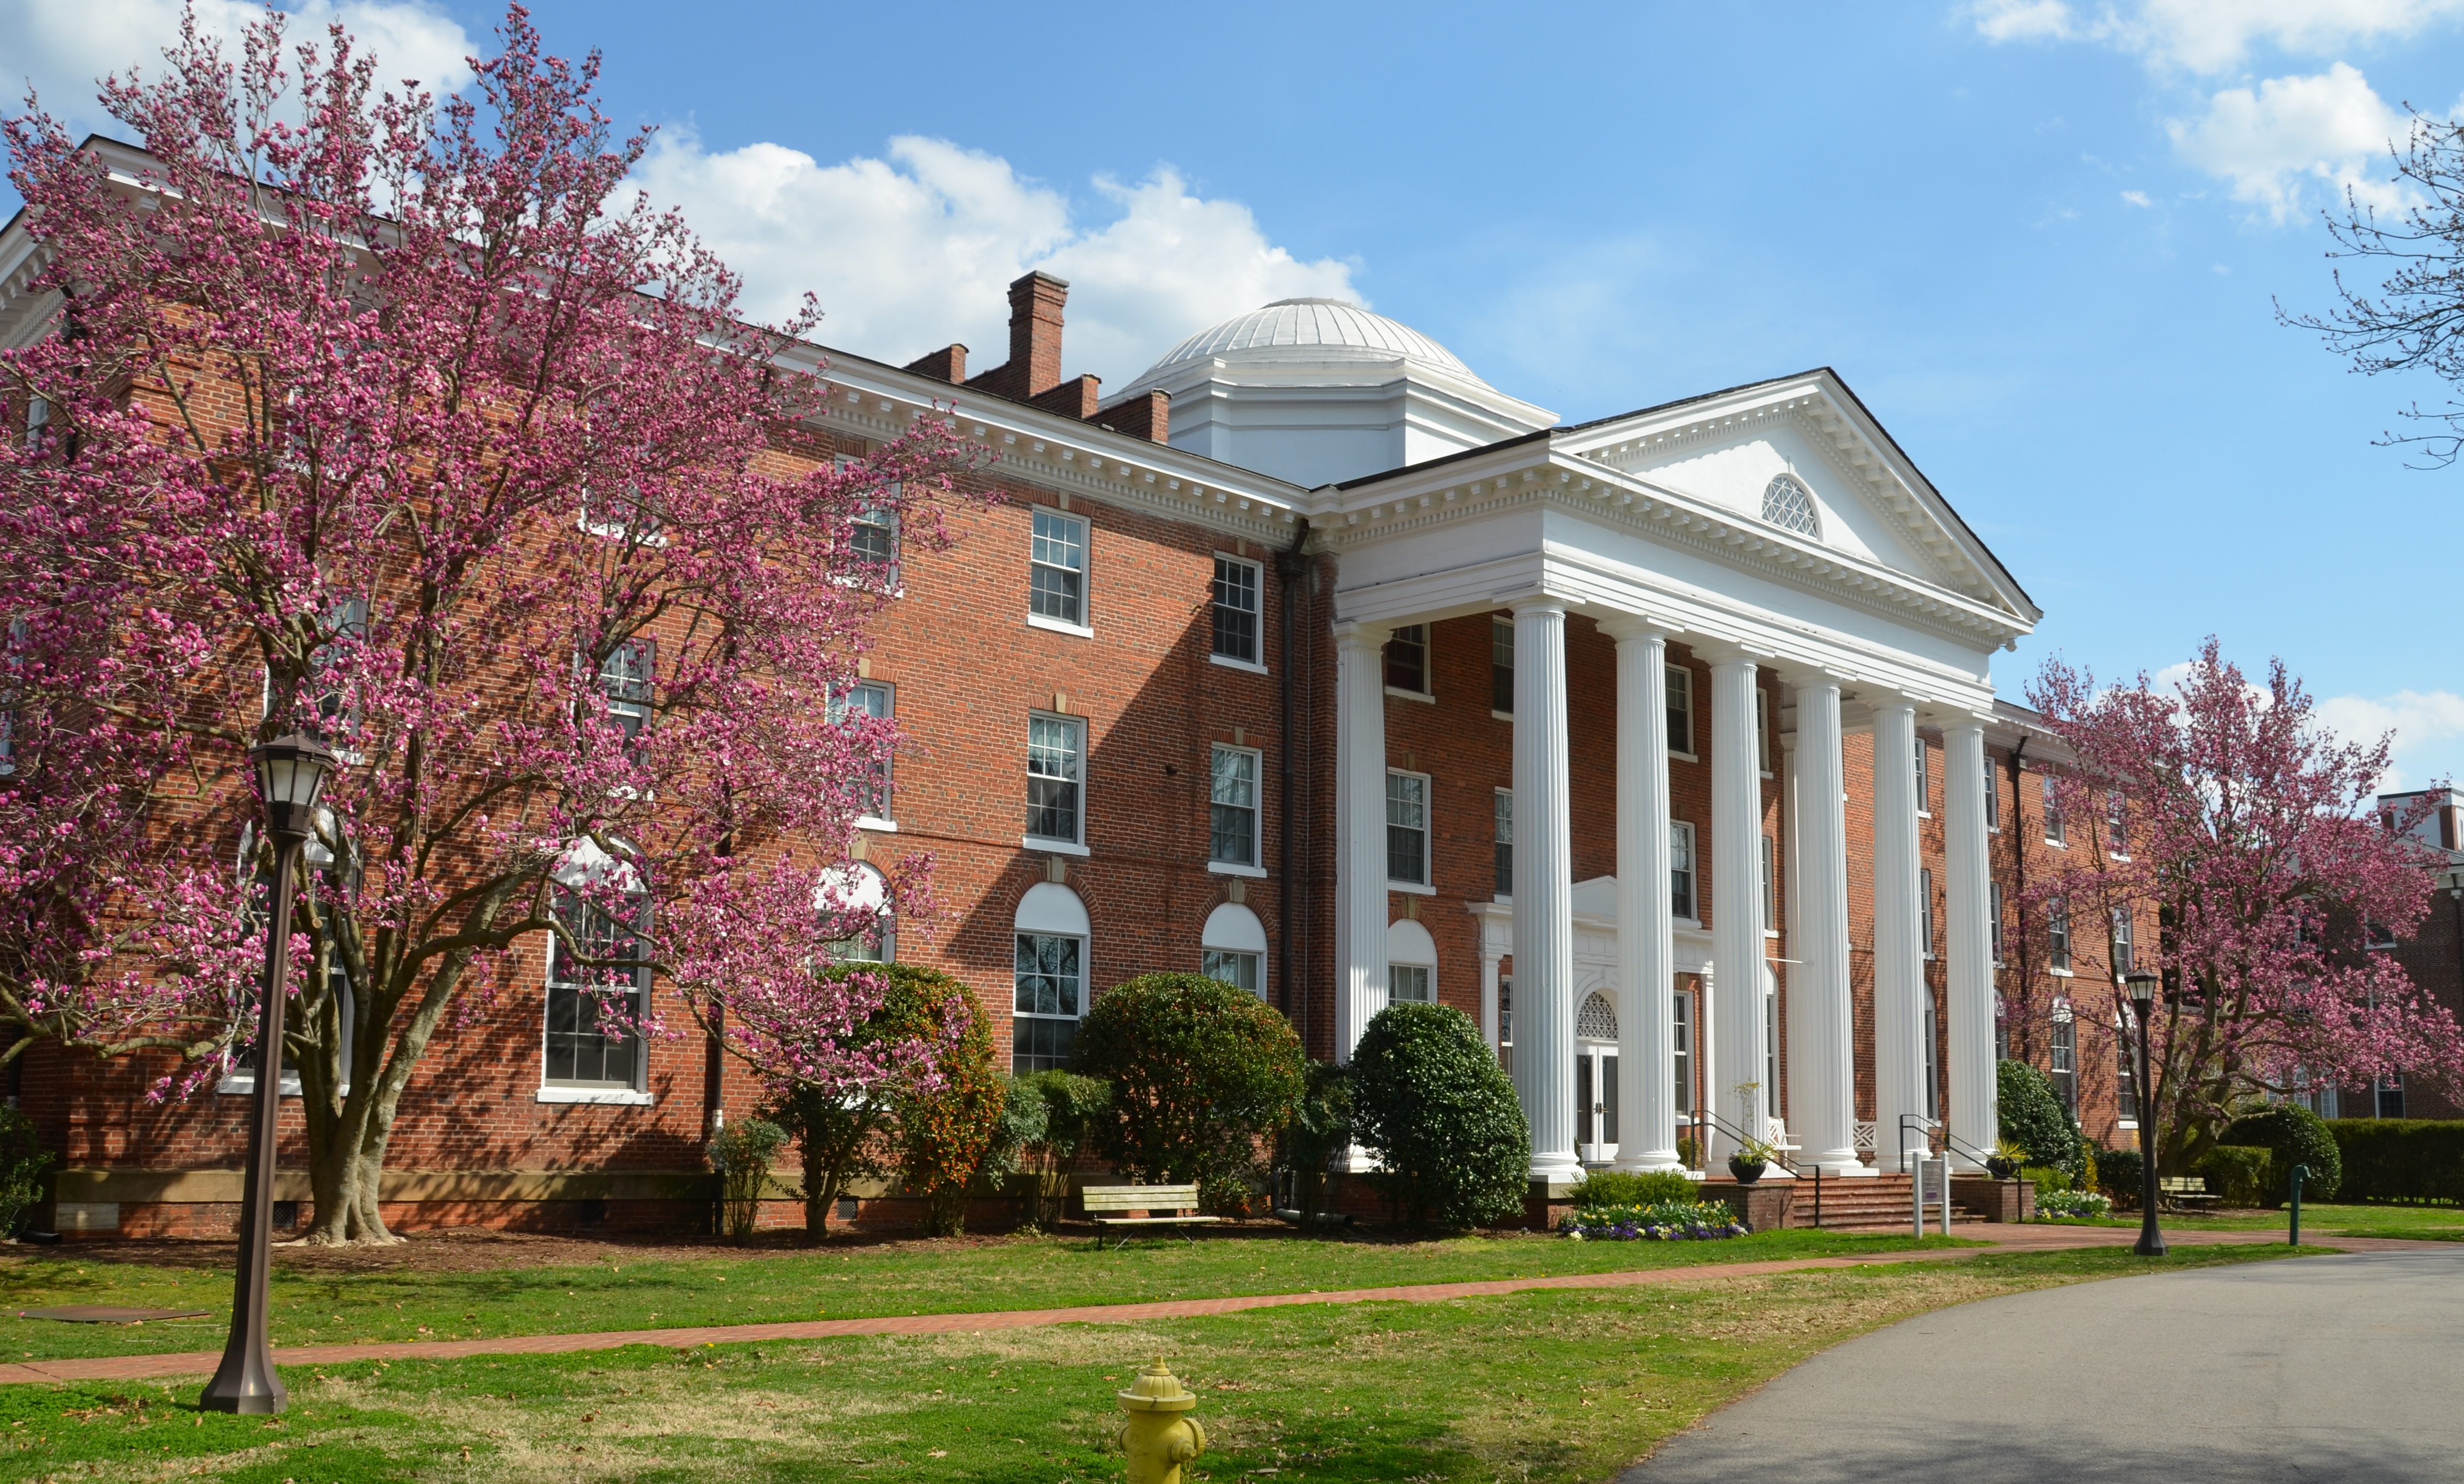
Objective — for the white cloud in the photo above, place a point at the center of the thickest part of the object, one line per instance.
(2293, 135)
(2212, 36)
(916, 251)
(62, 48)
(2137, 198)
(2429, 727)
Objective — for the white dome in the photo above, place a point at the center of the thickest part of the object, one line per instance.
(1317, 331)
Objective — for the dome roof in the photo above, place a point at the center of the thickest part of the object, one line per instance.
(1317, 330)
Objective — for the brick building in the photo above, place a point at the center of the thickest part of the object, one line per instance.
(1314, 661)
(2432, 956)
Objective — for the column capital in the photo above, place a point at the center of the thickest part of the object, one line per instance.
(1804, 677)
(1626, 627)
(1353, 633)
(1538, 603)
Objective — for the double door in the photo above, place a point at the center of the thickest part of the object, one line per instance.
(1595, 1103)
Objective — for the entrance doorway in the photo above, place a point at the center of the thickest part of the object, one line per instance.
(1595, 1081)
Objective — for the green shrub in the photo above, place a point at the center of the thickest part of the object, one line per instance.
(1202, 1072)
(2299, 1137)
(23, 1162)
(1626, 1187)
(1430, 1102)
(1320, 1129)
(1044, 1117)
(2399, 1159)
(2237, 1174)
(2049, 1178)
(2034, 1118)
(946, 1131)
(2119, 1175)
(740, 1152)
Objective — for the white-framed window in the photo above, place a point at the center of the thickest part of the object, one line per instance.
(13, 667)
(1681, 710)
(1925, 913)
(1681, 870)
(2126, 1066)
(1773, 1089)
(872, 545)
(1057, 568)
(1407, 660)
(2387, 1093)
(1233, 949)
(589, 1044)
(1762, 731)
(1994, 901)
(1501, 665)
(1504, 843)
(1055, 765)
(1790, 504)
(1993, 797)
(1232, 808)
(626, 681)
(871, 698)
(2054, 834)
(1771, 886)
(1505, 1023)
(2117, 824)
(39, 422)
(861, 897)
(1410, 962)
(1925, 781)
(1930, 1031)
(2065, 1054)
(2123, 953)
(2058, 933)
(1237, 630)
(1051, 935)
(1407, 827)
(1681, 1004)
(334, 707)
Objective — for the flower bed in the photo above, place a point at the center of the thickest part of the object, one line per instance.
(1661, 1221)
(2053, 1204)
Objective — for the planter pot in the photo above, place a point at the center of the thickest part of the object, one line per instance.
(1746, 1172)
(2001, 1169)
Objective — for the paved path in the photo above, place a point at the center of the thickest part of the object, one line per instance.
(2321, 1371)
(133, 1367)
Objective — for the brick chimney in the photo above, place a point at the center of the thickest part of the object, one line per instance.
(948, 364)
(1034, 364)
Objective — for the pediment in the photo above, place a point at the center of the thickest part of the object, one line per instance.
(1869, 501)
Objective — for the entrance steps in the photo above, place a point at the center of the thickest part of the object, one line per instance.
(1866, 1201)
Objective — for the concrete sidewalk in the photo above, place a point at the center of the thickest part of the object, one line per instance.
(2033, 1238)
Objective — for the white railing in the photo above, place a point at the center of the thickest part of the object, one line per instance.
(1862, 1134)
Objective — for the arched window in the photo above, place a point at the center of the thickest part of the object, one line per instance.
(1596, 1020)
(1052, 933)
(592, 1053)
(1233, 949)
(1786, 502)
(859, 899)
(1410, 962)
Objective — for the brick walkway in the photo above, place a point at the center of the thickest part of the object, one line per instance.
(2021, 1238)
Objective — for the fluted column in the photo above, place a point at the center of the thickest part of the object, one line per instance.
(1974, 1116)
(1899, 951)
(1360, 830)
(1736, 908)
(1821, 1015)
(1544, 890)
(1646, 945)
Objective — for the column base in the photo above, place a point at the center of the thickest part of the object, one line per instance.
(1840, 1165)
(1650, 1162)
(1560, 1167)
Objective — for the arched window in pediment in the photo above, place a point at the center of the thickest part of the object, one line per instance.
(1787, 503)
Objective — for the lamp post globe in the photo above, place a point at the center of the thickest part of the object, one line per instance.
(290, 774)
(2142, 987)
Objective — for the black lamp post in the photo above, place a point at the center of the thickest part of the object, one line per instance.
(290, 774)
(2151, 1241)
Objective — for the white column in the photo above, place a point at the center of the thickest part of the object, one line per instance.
(1544, 904)
(1736, 910)
(1822, 1013)
(1974, 1116)
(1360, 830)
(1647, 946)
(1899, 951)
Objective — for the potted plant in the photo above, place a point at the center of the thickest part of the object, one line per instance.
(2007, 1160)
(1752, 1157)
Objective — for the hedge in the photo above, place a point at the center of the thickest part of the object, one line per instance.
(2299, 1137)
(2240, 1174)
(2119, 1175)
(1430, 1104)
(2400, 1159)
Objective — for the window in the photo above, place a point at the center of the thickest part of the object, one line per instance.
(13, 662)
(2390, 1091)
(1407, 659)
(1501, 665)
(626, 678)
(1925, 912)
(1772, 1089)
(1681, 1004)
(1233, 949)
(1504, 843)
(873, 544)
(868, 700)
(2117, 829)
(1407, 828)
(589, 1041)
(2065, 1056)
(349, 622)
(1762, 731)
(2057, 934)
(1993, 905)
(1506, 1024)
(1681, 710)
(1596, 1020)
(1410, 962)
(1053, 759)
(2053, 811)
(863, 899)
(1232, 791)
(2121, 948)
(1770, 886)
(2374, 935)
(1238, 969)
(1236, 609)
(1408, 981)
(2126, 1068)
(1993, 797)
(1786, 502)
(1681, 870)
(1049, 995)
(1932, 1065)
(1057, 574)
(38, 422)
(1924, 780)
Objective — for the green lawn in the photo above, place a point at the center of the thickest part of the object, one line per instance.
(2429, 1223)
(828, 1282)
(1538, 1387)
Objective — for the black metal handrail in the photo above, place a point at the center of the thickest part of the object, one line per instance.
(1702, 1117)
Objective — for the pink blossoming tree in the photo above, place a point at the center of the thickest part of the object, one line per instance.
(406, 424)
(2233, 848)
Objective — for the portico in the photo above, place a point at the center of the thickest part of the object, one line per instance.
(1776, 537)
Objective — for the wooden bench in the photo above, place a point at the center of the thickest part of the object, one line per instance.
(1180, 1200)
(2180, 1190)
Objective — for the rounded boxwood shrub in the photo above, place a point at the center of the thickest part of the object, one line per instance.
(2032, 1116)
(1201, 1073)
(2238, 1174)
(2120, 1174)
(2298, 1136)
(1430, 1102)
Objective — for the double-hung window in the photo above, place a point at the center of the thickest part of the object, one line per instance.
(2054, 829)
(2065, 1054)
(349, 622)
(1232, 795)
(1924, 780)
(1407, 828)
(872, 546)
(1501, 666)
(624, 681)
(13, 667)
(1236, 610)
(1055, 765)
(2057, 934)
(1681, 710)
(1762, 731)
(1235, 966)
(2124, 954)
(870, 700)
(1770, 886)
(593, 1037)
(1681, 870)
(2117, 827)
(1925, 910)
(2125, 1067)
(1057, 574)
(1993, 797)
(1407, 660)
(1051, 995)
(1993, 898)
(1504, 842)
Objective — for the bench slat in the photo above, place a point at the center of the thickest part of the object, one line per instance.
(1140, 1197)
(1156, 1221)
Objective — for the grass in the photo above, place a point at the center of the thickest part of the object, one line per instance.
(826, 1282)
(2426, 1223)
(1538, 1387)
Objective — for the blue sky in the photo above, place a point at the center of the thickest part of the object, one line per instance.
(2043, 242)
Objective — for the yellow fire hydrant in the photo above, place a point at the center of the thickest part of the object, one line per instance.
(1158, 1438)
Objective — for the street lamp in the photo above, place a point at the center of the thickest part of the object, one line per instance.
(2151, 1241)
(290, 774)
